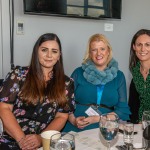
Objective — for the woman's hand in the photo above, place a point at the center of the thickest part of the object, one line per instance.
(92, 119)
(31, 142)
(81, 123)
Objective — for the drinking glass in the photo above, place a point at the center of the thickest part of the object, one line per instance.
(145, 119)
(1, 128)
(146, 138)
(62, 141)
(128, 133)
(109, 126)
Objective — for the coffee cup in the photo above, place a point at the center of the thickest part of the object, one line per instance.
(46, 136)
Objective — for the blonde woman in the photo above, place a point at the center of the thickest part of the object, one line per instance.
(100, 87)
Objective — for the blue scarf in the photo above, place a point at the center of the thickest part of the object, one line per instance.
(95, 76)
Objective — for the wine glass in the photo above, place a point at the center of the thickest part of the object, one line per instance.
(145, 119)
(62, 141)
(109, 126)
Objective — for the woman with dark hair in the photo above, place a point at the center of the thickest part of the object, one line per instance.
(139, 95)
(36, 98)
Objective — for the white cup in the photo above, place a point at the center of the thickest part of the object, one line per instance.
(46, 136)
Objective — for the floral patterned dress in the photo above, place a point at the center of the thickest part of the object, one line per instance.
(31, 118)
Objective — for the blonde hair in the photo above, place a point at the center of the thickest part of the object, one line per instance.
(93, 38)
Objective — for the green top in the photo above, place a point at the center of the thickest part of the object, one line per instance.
(143, 88)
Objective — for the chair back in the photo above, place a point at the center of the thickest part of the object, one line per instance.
(1, 81)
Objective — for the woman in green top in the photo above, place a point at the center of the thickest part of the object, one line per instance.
(139, 96)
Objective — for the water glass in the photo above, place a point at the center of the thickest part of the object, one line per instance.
(146, 138)
(109, 126)
(62, 141)
(1, 128)
(128, 133)
(145, 119)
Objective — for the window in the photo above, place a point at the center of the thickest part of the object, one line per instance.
(89, 8)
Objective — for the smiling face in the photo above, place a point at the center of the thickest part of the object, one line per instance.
(99, 53)
(142, 47)
(49, 54)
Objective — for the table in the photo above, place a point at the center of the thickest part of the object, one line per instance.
(92, 139)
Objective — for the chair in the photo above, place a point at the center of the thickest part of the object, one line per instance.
(1, 123)
(1, 81)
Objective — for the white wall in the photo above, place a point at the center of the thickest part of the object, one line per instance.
(0, 39)
(4, 38)
(74, 34)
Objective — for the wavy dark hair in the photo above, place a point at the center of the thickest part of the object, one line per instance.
(133, 59)
(34, 88)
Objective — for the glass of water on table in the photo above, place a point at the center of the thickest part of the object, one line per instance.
(128, 134)
(62, 141)
(145, 119)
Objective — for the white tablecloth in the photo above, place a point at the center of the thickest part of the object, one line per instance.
(92, 139)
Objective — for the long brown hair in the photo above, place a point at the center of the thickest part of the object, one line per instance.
(133, 59)
(34, 90)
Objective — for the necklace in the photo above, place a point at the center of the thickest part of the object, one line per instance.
(144, 71)
(51, 75)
